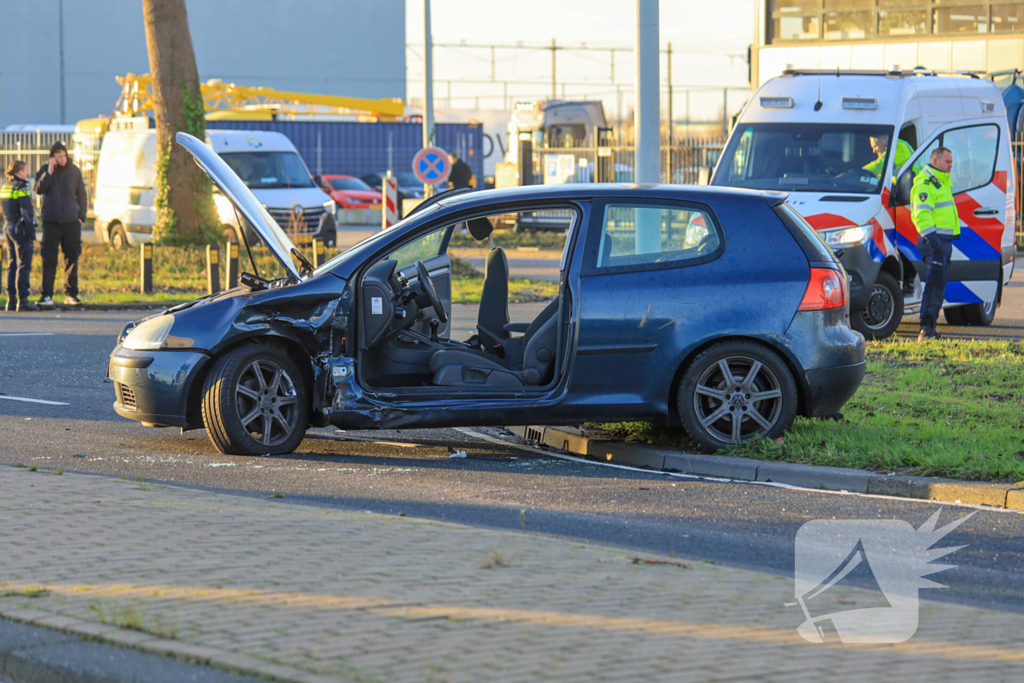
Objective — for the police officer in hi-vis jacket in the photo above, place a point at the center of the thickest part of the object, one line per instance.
(19, 233)
(938, 224)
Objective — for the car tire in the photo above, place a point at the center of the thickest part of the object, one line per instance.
(249, 388)
(719, 411)
(884, 312)
(118, 237)
(955, 316)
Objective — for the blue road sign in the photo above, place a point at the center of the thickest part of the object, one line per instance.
(431, 165)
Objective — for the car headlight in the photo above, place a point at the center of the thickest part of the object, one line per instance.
(150, 335)
(848, 237)
(330, 207)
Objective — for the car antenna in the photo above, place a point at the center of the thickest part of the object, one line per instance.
(245, 240)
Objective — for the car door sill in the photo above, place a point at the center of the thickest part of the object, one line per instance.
(615, 349)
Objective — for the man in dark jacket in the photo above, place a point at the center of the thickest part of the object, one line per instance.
(64, 205)
(461, 173)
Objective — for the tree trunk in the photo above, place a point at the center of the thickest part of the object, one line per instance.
(184, 199)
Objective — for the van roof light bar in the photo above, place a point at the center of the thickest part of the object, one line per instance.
(881, 72)
(866, 103)
(776, 102)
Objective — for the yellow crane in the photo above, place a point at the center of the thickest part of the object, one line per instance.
(228, 100)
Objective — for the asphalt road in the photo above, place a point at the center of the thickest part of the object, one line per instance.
(410, 472)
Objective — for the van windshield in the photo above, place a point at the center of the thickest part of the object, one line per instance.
(266, 170)
(806, 157)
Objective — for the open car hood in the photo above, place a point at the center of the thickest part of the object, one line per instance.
(243, 199)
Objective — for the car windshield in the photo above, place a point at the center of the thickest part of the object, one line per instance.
(805, 157)
(381, 236)
(349, 184)
(266, 170)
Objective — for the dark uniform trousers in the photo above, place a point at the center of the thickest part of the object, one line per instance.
(68, 237)
(19, 263)
(936, 269)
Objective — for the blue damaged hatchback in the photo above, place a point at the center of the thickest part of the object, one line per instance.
(717, 310)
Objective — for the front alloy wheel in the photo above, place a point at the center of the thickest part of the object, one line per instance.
(255, 402)
(735, 392)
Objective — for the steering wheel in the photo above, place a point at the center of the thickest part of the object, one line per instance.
(427, 287)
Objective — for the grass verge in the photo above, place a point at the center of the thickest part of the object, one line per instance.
(108, 276)
(948, 409)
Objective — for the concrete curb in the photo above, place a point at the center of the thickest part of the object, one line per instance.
(38, 654)
(571, 440)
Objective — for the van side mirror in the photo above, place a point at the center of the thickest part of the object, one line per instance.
(901, 197)
(318, 180)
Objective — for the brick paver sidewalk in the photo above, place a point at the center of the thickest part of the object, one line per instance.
(309, 594)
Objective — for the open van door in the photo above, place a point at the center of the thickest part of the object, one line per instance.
(984, 202)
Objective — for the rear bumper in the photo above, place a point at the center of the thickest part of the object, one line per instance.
(157, 381)
(826, 390)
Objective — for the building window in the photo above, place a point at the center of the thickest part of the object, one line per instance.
(970, 19)
(1008, 18)
(849, 25)
(851, 20)
(903, 22)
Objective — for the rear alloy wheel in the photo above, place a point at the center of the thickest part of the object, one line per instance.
(735, 392)
(884, 310)
(255, 402)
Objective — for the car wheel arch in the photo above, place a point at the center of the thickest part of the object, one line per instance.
(291, 347)
(695, 350)
(894, 267)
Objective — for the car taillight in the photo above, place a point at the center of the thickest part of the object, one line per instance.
(825, 291)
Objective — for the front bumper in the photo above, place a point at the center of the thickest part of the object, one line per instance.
(154, 386)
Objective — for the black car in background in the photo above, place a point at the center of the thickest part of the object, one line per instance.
(408, 186)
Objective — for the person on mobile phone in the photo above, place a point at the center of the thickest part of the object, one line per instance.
(64, 207)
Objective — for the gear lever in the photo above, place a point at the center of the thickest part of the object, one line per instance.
(434, 325)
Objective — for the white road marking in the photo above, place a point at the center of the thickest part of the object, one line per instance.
(27, 334)
(33, 400)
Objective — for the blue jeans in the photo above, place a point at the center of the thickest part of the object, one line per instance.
(936, 269)
(19, 250)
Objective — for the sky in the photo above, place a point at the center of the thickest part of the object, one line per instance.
(709, 43)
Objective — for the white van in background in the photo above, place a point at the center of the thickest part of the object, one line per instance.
(266, 161)
(846, 145)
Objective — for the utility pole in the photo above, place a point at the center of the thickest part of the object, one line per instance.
(613, 65)
(428, 88)
(60, 41)
(554, 86)
(670, 97)
(725, 110)
(492, 62)
(647, 121)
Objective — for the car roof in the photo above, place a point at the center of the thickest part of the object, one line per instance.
(583, 191)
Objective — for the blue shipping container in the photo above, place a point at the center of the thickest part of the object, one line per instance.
(357, 149)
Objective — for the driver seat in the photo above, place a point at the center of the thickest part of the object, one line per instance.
(528, 359)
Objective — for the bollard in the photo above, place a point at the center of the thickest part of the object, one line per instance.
(318, 253)
(146, 268)
(232, 264)
(389, 212)
(213, 268)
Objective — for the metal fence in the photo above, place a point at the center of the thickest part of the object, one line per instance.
(681, 163)
(34, 149)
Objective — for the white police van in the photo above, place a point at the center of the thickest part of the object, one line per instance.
(267, 162)
(846, 145)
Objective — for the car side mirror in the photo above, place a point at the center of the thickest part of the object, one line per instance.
(318, 180)
(901, 197)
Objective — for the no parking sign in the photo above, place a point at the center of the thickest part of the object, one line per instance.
(431, 165)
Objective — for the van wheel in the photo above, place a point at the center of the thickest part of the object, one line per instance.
(955, 316)
(118, 238)
(255, 402)
(980, 315)
(884, 311)
(735, 392)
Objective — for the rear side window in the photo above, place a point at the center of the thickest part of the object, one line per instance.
(810, 241)
(654, 235)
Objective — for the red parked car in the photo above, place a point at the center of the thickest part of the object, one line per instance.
(351, 192)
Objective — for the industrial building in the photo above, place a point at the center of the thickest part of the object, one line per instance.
(58, 58)
(976, 35)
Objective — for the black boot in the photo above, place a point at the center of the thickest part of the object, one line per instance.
(928, 332)
(26, 305)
